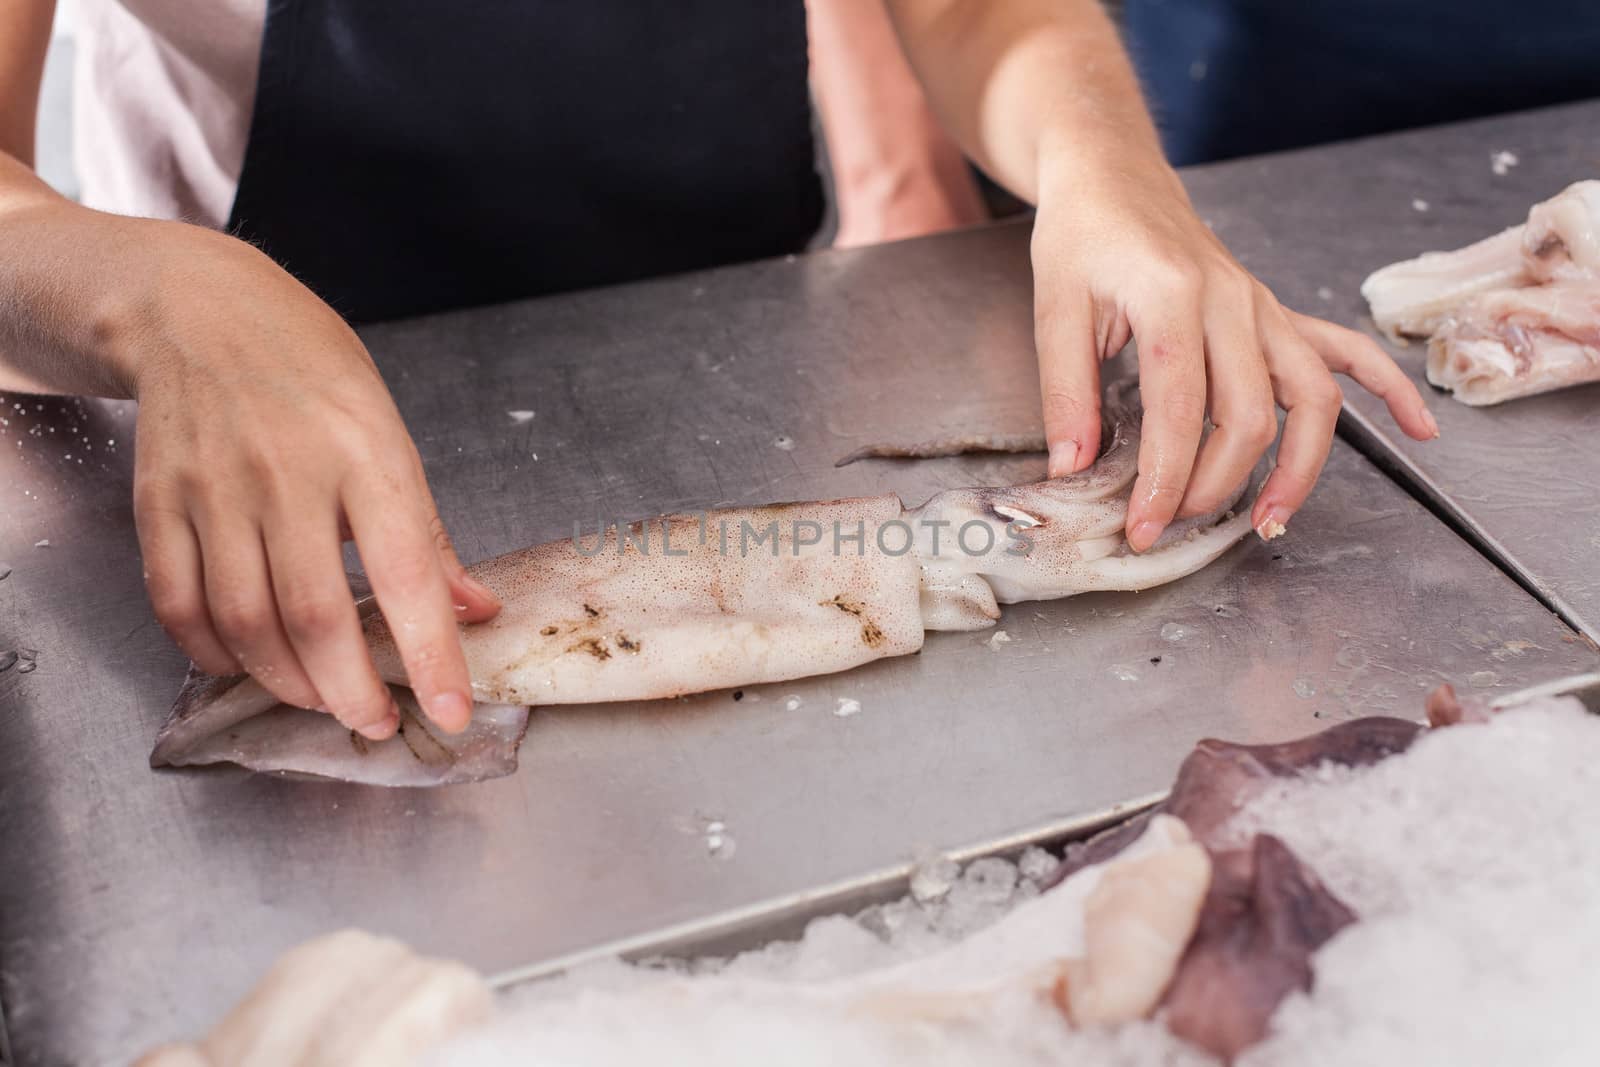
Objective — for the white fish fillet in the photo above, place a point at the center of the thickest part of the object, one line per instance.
(347, 999)
(1517, 342)
(1413, 298)
(741, 596)
(1512, 315)
(631, 623)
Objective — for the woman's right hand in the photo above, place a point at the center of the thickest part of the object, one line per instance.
(265, 439)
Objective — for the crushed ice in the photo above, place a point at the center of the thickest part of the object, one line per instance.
(932, 878)
(1469, 859)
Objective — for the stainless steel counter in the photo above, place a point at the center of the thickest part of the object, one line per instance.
(135, 905)
(1523, 477)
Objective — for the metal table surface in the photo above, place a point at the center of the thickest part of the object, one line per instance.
(136, 905)
(1524, 477)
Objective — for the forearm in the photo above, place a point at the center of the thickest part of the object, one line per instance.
(24, 42)
(63, 272)
(1030, 84)
(875, 117)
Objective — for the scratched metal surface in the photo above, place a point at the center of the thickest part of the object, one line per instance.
(1523, 476)
(135, 906)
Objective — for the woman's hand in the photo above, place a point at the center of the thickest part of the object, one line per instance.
(265, 439)
(1119, 254)
(1041, 93)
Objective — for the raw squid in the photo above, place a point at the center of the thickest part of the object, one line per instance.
(1513, 315)
(690, 603)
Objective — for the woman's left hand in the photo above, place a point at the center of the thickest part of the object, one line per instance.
(1119, 254)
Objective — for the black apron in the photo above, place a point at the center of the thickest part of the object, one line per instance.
(408, 156)
(1236, 77)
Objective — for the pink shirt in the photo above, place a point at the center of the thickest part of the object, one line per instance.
(162, 104)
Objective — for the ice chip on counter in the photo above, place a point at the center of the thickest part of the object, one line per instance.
(734, 597)
(1514, 314)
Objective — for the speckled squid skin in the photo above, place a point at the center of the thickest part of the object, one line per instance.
(690, 603)
(614, 622)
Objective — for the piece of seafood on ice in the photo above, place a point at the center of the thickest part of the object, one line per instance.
(1512, 315)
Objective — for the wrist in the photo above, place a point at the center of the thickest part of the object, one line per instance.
(113, 315)
(1095, 165)
(146, 265)
(58, 283)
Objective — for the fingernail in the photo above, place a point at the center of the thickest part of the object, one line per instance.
(1428, 420)
(384, 728)
(1144, 535)
(1275, 523)
(451, 711)
(1063, 458)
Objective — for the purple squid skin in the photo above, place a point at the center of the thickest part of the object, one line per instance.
(1219, 777)
(1265, 912)
(1264, 915)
